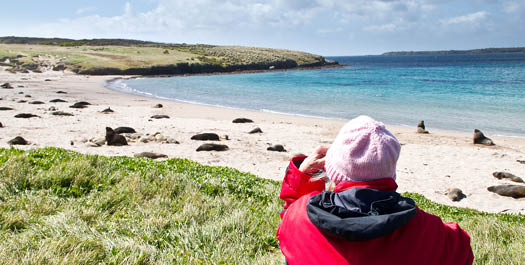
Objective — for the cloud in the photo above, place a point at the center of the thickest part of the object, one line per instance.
(473, 18)
(84, 10)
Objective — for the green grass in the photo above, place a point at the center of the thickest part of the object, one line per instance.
(62, 207)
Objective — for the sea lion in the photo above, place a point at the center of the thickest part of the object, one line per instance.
(115, 139)
(506, 175)
(6, 108)
(61, 92)
(256, 130)
(213, 147)
(107, 111)
(158, 106)
(421, 127)
(150, 155)
(19, 140)
(514, 191)
(25, 115)
(61, 113)
(455, 194)
(6, 86)
(242, 120)
(480, 138)
(28, 96)
(1, 125)
(120, 130)
(520, 161)
(78, 105)
(21, 101)
(36, 102)
(56, 100)
(206, 137)
(160, 117)
(276, 148)
(52, 108)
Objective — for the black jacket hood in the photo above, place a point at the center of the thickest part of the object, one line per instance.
(360, 213)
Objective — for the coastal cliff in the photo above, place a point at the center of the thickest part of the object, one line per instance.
(132, 57)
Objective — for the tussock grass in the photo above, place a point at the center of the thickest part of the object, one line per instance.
(62, 207)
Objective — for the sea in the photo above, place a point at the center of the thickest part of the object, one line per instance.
(457, 92)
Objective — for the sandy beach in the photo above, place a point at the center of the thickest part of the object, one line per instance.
(429, 163)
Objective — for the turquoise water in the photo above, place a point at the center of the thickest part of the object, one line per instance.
(451, 92)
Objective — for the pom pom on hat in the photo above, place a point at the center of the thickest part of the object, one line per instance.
(364, 150)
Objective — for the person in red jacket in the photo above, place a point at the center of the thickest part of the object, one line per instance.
(363, 220)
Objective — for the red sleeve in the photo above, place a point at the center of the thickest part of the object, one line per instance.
(297, 183)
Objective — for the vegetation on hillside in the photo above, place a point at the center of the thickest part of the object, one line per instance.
(116, 56)
(62, 207)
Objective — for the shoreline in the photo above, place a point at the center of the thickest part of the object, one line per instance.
(428, 165)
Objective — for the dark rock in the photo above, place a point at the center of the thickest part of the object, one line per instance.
(61, 113)
(506, 175)
(61, 92)
(160, 117)
(36, 102)
(19, 140)
(242, 120)
(276, 148)
(421, 127)
(113, 138)
(6, 86)
(256, 130)
(6, 108)
(480, 138)
(59, 67)
(455, 194)
(120, 130)
(213, 147)
(25, 115)
(206, 137)
(514, 191)
(158, 106)
(107, 111)
(57, 100)
(150, 155)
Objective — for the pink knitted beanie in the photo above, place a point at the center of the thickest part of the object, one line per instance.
(364, 150)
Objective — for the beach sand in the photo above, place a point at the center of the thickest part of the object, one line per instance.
(429, 164)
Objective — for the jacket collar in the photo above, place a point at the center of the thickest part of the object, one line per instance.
(384, 184)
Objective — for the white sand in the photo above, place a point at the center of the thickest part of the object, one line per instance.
(429, 164)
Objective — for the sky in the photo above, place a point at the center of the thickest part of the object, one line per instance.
(325, 27)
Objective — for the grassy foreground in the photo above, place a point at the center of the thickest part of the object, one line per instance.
(62, 207)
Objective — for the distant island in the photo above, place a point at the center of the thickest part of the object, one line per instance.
(475, 51)
(135, 57)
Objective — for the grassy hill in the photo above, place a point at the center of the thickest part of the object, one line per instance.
(63, 207)
(115, 56)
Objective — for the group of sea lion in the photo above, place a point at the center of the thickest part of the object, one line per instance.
(514, 191)
(479, 137)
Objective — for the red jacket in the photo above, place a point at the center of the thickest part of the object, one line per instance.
(362, 223)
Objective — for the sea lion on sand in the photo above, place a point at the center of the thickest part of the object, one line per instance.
(120, 130)
(150, 155)
(115, 139)
(19, 140)
(6, 86)
(158, 106)
(28, 96)
(480, 138)
(160, 117)
(213, 147)
(242, 120)
(61, 92)
(514, 191)
(61, 113)
(78, 105)
(107, 111)
(56, 100)
(206, 137)
(21, 101)
(25, 115)
(1, 125)
(455, 194)
(421, 127)
(506, 175)
(256, 130)
(276, 148)
(36, 102)
(6, 108)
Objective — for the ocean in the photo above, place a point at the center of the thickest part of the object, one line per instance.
(449, 92)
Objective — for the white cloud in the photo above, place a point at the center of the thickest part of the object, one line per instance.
(84, 10)
(473, 18)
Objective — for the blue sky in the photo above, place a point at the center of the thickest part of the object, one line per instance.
(326, 27)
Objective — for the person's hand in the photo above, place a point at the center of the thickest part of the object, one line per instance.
(315, 161)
